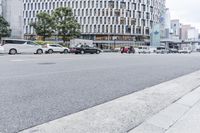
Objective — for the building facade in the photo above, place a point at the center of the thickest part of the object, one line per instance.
(1, 7)
(167, 27)
(184, 32)
(176, 29)
(104, 21)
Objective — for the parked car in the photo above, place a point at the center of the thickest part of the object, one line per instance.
(1, 50)
(144, 50)
(128, 50)
(124, 50)
(185, 50)
(55, 48)
(152, 49)
(173, 50)
(162, 50)
(15, 46)
(83, 49)
(117, 49)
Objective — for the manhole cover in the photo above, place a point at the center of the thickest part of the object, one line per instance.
(47, 63)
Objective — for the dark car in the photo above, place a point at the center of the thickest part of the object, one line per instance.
(83, 49)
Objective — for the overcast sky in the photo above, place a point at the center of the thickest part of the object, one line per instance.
(188, 11)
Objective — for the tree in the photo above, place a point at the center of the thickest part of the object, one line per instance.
(5, 30)
(65, 23)
(44, 26)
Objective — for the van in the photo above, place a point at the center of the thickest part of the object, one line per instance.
(15, 46)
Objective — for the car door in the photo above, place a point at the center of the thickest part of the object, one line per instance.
(30, 47)
(53, 47)
(19, 45)
(87, 49)
(59, 48)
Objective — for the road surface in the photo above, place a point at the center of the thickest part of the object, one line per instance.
(35, 89)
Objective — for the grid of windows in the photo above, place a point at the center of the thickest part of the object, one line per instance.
(102, 16)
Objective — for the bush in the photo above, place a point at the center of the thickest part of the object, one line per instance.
(44, 42)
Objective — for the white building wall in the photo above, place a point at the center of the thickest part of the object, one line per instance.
(12, 11)
(193, 34)
(98, 16)
(167, 19)
(176, 29)
(1, 8)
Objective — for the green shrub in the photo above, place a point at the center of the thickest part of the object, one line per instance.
(44, 42)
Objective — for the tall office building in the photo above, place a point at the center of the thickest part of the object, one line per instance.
(104, 21)
(167, 24)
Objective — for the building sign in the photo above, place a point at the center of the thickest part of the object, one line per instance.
(155, 35)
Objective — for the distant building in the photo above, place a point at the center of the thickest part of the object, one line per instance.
(184, 32)
(176, 29)
(193, 34)
(167, 27)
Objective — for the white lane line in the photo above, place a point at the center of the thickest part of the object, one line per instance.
(17, 60)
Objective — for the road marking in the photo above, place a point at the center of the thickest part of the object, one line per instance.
(17, 60)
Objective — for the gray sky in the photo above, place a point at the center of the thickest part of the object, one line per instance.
(188, 11)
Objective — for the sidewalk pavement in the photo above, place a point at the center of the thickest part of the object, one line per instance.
(127, 112)
(183, 116)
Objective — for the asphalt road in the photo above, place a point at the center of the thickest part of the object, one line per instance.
(35, 89)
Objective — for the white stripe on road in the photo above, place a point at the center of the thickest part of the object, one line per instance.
(17, 60)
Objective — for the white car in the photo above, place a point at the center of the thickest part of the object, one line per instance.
(15, 46)
(144, 50)
(162, 50)
(1, 50)
(185, 50)
(55, 48)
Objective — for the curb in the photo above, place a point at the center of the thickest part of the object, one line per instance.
(165, 120)
(125, 113)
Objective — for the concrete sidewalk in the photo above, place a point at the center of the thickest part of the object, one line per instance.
(122, 115)
(182, 116)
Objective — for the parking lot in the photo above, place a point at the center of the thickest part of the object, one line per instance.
(38, 88)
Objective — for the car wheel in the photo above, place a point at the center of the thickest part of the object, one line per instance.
(39, 51)
(98, 52)
(65, 51)
(82, 52)
(50, 51)
(13, 52)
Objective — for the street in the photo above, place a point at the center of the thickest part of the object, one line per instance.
(35, 89)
